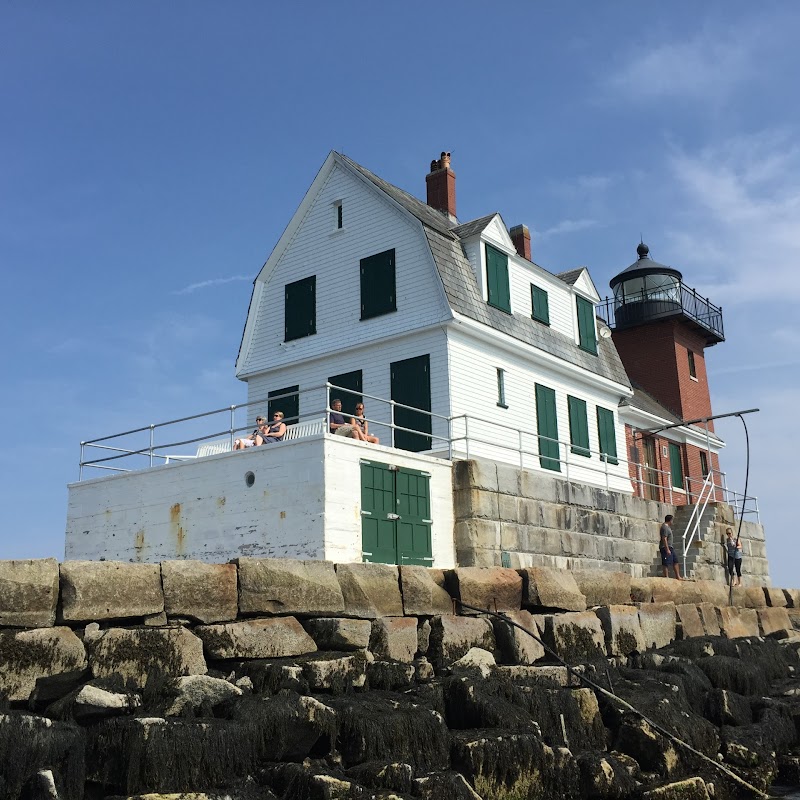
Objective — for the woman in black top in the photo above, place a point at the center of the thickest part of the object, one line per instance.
(275, 431)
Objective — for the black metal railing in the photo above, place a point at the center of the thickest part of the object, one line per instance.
(657, 303)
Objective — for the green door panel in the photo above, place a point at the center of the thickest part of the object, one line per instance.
(411, 386)
(395, 508)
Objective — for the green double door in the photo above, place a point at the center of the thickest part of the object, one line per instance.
(395, 515)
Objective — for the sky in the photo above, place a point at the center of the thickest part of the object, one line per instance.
(153, 153)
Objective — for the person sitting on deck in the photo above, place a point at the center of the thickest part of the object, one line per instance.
(362, 425)
(339, 426)
(275, 431)
(251, 440)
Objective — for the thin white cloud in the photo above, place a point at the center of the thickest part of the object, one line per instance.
(567, 226)
(733, 369)
(710, 65)
(194, 287)
(738, 228)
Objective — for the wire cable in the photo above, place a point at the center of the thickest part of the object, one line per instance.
(624, 703)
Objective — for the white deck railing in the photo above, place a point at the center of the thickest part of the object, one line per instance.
(458, 436)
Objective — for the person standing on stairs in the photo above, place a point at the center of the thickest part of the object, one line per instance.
(668, 557)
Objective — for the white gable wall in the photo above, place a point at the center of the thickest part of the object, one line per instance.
(373, 360)
(474, 365)
(372, 224)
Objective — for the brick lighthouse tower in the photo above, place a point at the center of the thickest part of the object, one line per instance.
(661, 329)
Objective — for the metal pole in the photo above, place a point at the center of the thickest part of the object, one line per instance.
(519, 439)
(233, 424)
(606, 468)
(449, 438)
(391, 420)
(466, 435)
(152, 434)
(80, 465)
(566, 459)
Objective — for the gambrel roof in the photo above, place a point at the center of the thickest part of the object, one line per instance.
(464, 295)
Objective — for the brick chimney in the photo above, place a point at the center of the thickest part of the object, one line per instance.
(521, 237)
(441, 185)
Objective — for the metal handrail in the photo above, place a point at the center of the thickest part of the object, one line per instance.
(460, 431)
(697, 515)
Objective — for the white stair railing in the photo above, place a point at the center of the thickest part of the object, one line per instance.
(693, 525)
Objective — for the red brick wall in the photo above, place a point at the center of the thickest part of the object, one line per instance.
(441, 186)
(655, 356)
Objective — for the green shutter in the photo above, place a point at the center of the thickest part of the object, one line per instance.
(540, 305)
(587, 339)
(378, 291)
(300, 309)
(497, 279)
(578, 426)
(675, 465)
(414, 544)
(348, 390)
(547, 428)
(607, 435)
(378, 503)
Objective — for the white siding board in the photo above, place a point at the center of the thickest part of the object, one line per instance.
(372, 224)
(474, 392)
(374, 362)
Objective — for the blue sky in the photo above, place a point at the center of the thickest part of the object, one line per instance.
(154, 152)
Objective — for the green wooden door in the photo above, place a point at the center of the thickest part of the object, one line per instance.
(378, 504)
(414, 517)
(395, 514)
(411, 386)
(547, 427)
(675, 465)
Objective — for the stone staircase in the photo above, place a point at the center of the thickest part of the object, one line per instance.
(679, 524)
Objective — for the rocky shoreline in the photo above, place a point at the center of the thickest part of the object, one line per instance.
(280, 679)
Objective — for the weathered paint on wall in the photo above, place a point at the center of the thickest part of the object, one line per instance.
(304, 502)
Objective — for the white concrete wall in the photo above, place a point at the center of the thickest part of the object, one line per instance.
(305, 503)
(474, 392)
(343, 498)
(372, 224)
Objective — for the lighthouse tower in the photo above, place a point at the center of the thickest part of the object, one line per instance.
(661, 329)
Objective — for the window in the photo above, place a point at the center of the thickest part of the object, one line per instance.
(300, 309)
(547, 428)
(675, 465)
(578, 426)
(378, 285)
(339, 215)
(348, 390)
(501, 388)
(499, 293)
(539, 305)
(587, 338)
(704, 464)
(607, 435)
(286, 400)
(692, 367)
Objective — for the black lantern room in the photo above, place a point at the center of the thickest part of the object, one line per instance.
(647, 291)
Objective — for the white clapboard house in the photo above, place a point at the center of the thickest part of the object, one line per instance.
(459, 345)
(374, 291)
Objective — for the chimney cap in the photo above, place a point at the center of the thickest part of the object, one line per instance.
(443, 162)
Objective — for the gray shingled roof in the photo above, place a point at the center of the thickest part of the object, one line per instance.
(464, 296)
(644, 401)
(422, 211)
(571, 275)
(467, 229)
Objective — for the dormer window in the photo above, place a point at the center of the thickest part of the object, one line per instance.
(499, 292)
(587, 335)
